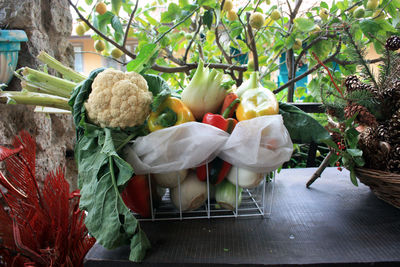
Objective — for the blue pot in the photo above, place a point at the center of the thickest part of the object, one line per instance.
(9, 46)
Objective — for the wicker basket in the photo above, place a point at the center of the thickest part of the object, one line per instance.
(385, 185)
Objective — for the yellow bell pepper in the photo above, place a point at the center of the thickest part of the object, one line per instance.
(170, 113)
(257, 102)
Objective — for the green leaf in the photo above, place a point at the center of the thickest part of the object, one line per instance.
(103, 174)
(160, 89)
(88, 2)
(163, 29)
(354, 152)
(183, 3)
(359, 161)
(302, 127)
(352, 137)
(324, 5)
(369, 26)
(143, 58)
(353, 177)
(208, 18)
(116, 6)
(304, 24)
(100, 22)
(171, 14)
(116, 24)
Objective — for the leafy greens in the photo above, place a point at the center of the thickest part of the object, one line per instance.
(103, 174)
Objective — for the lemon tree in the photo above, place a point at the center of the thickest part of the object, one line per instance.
(239, 37)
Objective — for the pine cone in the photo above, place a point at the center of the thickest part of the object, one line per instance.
(352, 83)
(393, 165)
(394, 128)
(382, 132)
(369, 87)
(393, 43)
(373, 155)
(364, 117)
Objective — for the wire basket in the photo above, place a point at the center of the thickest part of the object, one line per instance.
(255, 202)
(385, 185)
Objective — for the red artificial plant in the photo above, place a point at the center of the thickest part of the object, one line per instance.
(38, 226)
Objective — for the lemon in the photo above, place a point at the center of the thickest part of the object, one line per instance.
(101, 8)
(324, 14)
(372, 4)
(99, 45)
(275, 15)
(257, 20)
(359, 12)
(231, 16)
(228, 5)
(297, 44)
(80, 29)
(116, 53)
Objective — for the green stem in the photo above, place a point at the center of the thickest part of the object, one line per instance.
(35, 99)
(51, 83)
(226, 112)
(113, 180)
(58, 66)
(167, 118)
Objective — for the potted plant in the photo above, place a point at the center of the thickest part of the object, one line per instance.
(10, 44)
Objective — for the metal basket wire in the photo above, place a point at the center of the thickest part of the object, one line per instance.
(255, 202)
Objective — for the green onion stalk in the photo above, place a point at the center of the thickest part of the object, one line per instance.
(42, 89)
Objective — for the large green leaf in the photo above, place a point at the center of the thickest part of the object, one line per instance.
(302, 127)
(171, 14)
(305, 24)
(101, 21)
(160, 89)
(146, 53)
(102, 175)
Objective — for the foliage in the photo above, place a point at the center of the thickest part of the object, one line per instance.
(185, 31)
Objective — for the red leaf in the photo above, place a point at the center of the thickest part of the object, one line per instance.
(47, 226)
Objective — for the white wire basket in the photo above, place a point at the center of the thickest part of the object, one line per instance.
(255, 202)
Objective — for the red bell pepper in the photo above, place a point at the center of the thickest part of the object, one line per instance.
(217, 168)
(136, 195)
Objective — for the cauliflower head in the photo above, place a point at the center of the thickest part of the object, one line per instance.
(118, 99)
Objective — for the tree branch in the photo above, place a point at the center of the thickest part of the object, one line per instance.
(176, 25)
(317, 66)
(198, 25)
(253, 46)
(190, 66)
(122, 48)
(129, 23)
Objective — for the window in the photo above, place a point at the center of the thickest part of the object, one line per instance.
(78, 58)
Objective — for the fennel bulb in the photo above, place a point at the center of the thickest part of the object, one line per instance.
(193, 193)
(170, 179)
(205, 92)
(225, 195)
(246, 179)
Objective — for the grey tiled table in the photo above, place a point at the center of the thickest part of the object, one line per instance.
(332, 223)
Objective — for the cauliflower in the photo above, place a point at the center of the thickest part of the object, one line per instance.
(118, 99)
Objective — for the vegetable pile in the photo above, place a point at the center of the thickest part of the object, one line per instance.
(111, 108)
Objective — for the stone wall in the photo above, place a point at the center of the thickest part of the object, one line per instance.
(48, 24)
